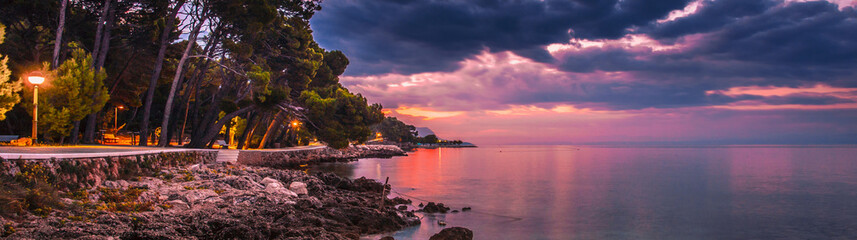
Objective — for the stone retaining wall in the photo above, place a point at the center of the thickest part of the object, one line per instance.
(77, 173)
(295, 158)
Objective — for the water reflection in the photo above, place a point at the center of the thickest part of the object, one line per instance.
(563, 192)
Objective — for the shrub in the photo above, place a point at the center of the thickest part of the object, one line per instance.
(127, 200)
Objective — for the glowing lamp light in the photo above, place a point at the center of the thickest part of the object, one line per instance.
(36, 78)
(295, 123)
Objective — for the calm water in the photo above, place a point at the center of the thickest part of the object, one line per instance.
(567, 192)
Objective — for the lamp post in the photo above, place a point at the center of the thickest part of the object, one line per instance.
(295, 124)
(116, 117)
(36, 78)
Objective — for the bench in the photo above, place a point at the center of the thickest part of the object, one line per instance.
(109, 138)
(222, 144)
(8, 138)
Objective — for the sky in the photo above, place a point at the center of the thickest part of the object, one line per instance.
(605, 71)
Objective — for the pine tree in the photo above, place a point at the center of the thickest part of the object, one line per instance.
(8, 90)
(74, 91)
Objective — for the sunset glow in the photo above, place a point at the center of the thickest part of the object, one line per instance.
(692, 72)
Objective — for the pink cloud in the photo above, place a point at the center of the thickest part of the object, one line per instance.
(479, 102)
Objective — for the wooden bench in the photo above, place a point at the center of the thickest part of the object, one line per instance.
(222, 144)
(8, 138)
(109, 138)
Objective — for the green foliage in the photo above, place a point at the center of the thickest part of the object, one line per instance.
(124, 200)
(70, 93)
(340, 116)
(328, 73)
(8, 229)
(8, 90)
(31, 189)
(431, 139)
(394, 130)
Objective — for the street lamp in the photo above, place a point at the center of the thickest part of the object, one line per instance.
(36, 78)
(116, 116)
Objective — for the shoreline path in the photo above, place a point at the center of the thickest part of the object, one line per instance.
(90, 151)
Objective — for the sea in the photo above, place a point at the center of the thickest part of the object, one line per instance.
(626, 192)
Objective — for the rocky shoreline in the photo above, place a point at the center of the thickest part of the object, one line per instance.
(189, 196)
(292, 159)
(218, 201)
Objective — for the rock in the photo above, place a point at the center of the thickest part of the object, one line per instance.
(196, 168)
(310, 202)
(432, 207)
(299, 188)
(119, 184)
(400, 200)
(278, 189)
(454, 211)
(199, 196)
(442, 223)
(268, 180)
(403, 208)
(453, 233)
(465, 209)
(240, 182)
(66, 201)
(178, 205)
(387, 238)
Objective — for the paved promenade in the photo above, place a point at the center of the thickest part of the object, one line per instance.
(82, 151)
(90, 151)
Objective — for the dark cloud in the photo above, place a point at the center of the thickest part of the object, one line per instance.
(627, 96)
(801, 34)
(736, 43)
(805, 99)
(711, 16)
(384, 36)
(743, 43)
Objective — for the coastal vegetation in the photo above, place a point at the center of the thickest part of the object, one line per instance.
(183, 69)
(393, 129)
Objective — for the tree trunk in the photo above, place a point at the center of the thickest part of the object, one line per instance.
(277, 118)
(247, 130)
(89, 134)
(193, 84)
(156, 72)
(210, 135)
(164, 141)
(74, 131)
(122, 72)
(58, 40)
(99, 34)
(99, 27)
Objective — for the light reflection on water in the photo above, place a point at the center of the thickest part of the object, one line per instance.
(568, 192)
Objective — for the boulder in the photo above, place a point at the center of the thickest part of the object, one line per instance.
(432, 207)
(178, 204)
(453, 233)
(310, 202)
(240, 182)
(387, 238)
(268, 180)
(299, 188)
(119, 184)
(196, 168)
(278, 189)
(199, 196)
